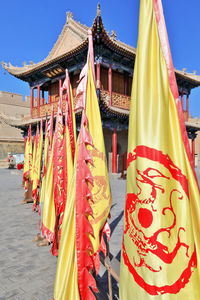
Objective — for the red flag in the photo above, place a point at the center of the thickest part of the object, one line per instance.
(59, 174)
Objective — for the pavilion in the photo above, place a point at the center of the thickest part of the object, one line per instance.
(114, 65)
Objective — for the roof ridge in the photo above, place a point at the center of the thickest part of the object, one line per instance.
(78, 32)
(125, 45)
(83, 26)
(69, 24)
(190, 75)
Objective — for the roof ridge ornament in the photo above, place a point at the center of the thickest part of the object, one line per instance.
(69, 15)
(4, 64)
(98, 10)
(113, 35)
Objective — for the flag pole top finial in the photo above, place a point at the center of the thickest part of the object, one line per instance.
(98, 10)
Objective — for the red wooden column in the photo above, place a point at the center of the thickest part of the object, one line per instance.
(43, 97)
(187, 106)
(110, 83)
(38, 100)
(114, 151)
(32, 99)
(98, 74)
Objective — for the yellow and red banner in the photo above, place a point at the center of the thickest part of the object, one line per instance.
(88, 203)
(48, 209)
(45, 160)
(45, 152)
(161, 247)
(59, 174)
(47, 192)
(70, 121)
(28, 157)
(93, 197)
(37, 163)
(66, 274)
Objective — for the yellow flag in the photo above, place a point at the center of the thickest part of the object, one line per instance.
(47, 195)
(66, 285)
(48, 210)
(87, 209)
(27, 172)
(45, 163)
(160, 250)
(34, 153)
(66, 282)
(47, 152)
(38, 147)
(70, 160)
(93, 197)
(101, 188)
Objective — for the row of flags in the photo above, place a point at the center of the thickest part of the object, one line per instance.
(73, 191)
(160, 251)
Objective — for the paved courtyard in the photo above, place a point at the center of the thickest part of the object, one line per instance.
(26, 271)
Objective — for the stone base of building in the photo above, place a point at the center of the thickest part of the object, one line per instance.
(10, 147)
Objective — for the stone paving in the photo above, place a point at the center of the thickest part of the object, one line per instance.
(26, 271)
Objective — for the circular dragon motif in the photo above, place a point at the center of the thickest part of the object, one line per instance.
(158, 245)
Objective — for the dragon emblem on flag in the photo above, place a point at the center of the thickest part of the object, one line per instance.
(156, 225)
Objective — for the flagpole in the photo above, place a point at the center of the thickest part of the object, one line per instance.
(172, 79)
(91, 52)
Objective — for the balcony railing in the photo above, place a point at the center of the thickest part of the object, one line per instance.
(115, 100)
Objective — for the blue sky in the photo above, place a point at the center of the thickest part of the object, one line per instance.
(29, 29)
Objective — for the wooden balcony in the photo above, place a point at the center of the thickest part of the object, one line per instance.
(114, 100)
(45, 110)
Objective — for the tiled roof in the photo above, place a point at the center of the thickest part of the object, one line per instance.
(72, 38)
